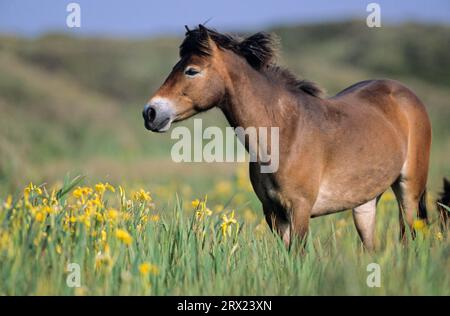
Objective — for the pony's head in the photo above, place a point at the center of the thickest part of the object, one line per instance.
(200, 79)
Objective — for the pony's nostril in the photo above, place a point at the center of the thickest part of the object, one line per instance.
(151, 114)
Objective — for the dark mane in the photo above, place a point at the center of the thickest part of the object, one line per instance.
(259, 50)
(292, 82)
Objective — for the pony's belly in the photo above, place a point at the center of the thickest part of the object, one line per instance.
(352, 180)
(329, 202)
(347, 194)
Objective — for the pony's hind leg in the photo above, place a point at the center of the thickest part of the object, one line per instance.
(411, 200)
(364, 217)
(409, 188)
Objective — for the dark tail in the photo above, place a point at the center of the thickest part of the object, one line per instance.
(442, 203)
(423, 213)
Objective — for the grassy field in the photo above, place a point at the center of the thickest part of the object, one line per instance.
(124, 244)
(73, 106)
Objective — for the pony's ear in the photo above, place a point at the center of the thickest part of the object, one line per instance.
(204, 33)
(259, 49)
(196, 41)
(203, 30)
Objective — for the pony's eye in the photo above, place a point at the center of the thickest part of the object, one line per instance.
(191, 72)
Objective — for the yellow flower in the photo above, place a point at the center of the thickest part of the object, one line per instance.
(142, 196)
(84, 219)
(227, 224)
(200, 214)
(155, 218)
(148, 268)
(124, 236)
(419, 224)
(195, 203)
(112, 214)
(439, 236)
(81, 193)
(5, 240)
(201, 208)
(109, 187)
(39, 217)
(47, 209)
(31, 188)
(96, 201)
(8, 202)
(103, 233)
(99, 217)
(102, 187)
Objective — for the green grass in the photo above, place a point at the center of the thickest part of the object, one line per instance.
(191, 255)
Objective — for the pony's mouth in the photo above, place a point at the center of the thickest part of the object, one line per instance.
(161, 127)
(183, 115)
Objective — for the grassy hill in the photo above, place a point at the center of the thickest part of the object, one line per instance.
(73, 104)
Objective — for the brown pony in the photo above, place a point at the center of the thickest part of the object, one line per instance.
(335, 153)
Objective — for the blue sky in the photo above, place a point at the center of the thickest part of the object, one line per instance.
(146, 18)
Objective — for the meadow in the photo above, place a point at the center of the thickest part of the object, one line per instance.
(137, 223)
(123, 244)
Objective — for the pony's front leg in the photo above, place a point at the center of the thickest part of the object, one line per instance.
(300, 214)
(279, 223)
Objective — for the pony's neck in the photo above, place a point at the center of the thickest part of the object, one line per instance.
(253, 100)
